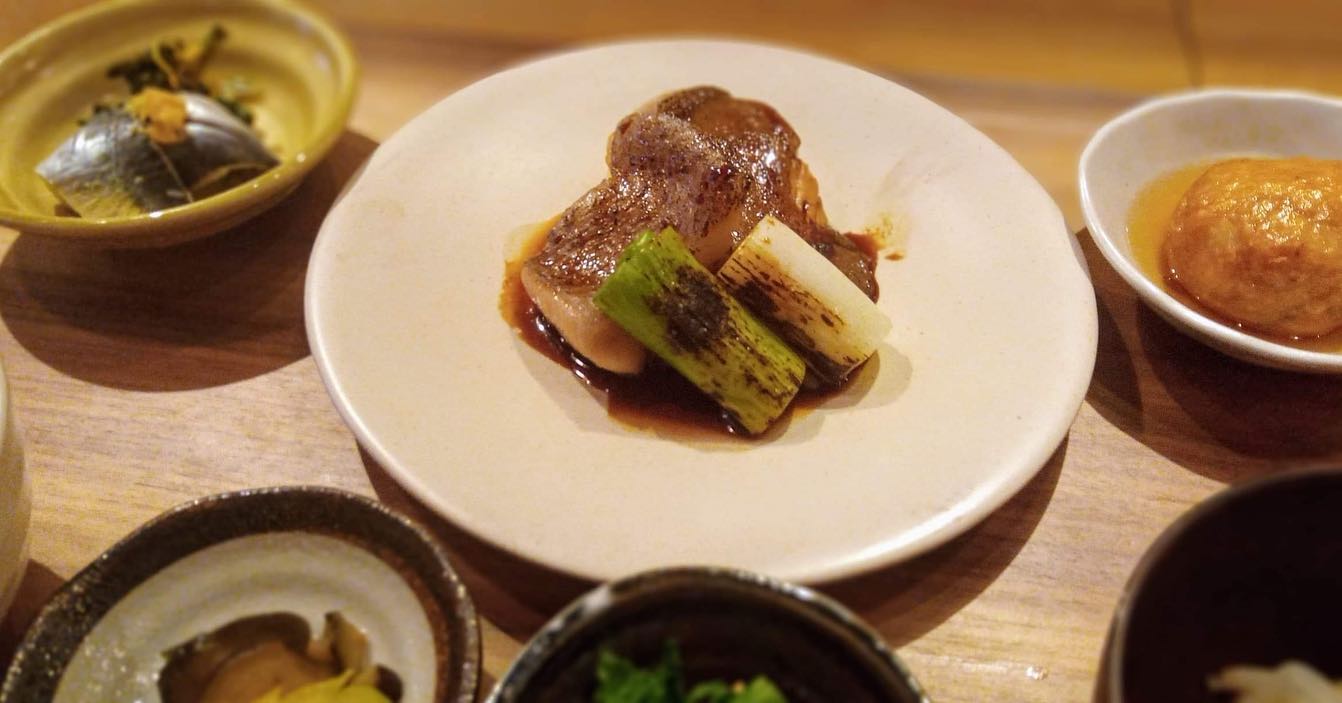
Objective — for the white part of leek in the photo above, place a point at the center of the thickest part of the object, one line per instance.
(822, 314)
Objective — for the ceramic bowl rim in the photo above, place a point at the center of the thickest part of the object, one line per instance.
(458, 614)
(1147, 290)
(1170, 537)
(578, 615)
(226, 209)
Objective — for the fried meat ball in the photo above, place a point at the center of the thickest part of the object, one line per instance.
(1259, 241)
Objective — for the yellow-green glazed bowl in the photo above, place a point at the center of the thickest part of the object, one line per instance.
(302, 66)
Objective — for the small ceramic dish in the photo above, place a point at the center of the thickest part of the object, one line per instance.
(1160, 136)
(728, 625)
(301, 65)
(300, 550)
(1249, 576)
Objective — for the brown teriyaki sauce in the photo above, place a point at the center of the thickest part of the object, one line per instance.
(658, 398)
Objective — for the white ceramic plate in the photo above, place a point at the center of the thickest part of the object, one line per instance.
(990, 356)
(1162, 135)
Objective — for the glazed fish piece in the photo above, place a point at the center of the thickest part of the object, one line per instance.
(220, 151)
(698, 160)
(111, 168)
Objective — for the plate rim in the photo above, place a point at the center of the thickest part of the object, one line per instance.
(881, 553)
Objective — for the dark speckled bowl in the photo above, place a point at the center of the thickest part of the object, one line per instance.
(1253, 575)
(301, 550)
(729, 625)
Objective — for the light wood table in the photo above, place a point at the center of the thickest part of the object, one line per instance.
(144, 379)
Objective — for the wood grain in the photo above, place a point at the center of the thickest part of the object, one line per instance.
(143, 379)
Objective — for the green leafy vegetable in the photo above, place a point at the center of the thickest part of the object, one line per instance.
(621, 681)
(662, 296)
(175, 65)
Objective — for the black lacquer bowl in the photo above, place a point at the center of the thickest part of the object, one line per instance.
(1253, 576)
(728, 625)
(300, 550)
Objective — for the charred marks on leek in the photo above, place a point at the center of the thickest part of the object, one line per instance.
(822, 314)
(680, 311)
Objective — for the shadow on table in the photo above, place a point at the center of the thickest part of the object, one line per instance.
(1251, 410)
(205, 313)
(516, 594)
(36, 588)
(903, 602)
(1213, 415)
(1101, 691)
(906, 601)
(1114, 389)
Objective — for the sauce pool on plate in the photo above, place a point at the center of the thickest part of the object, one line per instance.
(658, 399)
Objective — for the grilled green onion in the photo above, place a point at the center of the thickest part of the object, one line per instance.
(675, 307)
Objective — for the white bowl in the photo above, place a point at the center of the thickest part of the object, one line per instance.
(15, 503)
(1165, 134)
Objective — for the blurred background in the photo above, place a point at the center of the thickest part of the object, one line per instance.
(1135, 45)
(1038, 76)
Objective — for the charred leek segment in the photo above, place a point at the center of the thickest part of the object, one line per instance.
(823, 315)
(667, 300)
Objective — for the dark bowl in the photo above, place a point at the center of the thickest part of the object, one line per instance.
(290, 549)
(728, 624)
(1252, 575)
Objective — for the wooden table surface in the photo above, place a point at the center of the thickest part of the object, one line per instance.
(144, 379)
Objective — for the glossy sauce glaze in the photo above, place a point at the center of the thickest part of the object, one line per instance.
(1148, 224)
(657, 399)
(698, 160)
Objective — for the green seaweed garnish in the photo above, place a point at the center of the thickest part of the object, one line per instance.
(176, 65)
